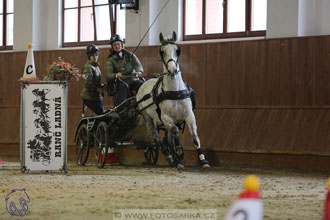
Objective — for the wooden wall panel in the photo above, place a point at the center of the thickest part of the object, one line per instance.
(327, 65)
(217, 72)
(193, 64)
(149, 57)
(264, 96)
(302, 79)
(320, 70)
(284, 131)
(275, 72)
(10, 127)
(273, 68)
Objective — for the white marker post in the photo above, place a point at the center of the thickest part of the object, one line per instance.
(29, 70)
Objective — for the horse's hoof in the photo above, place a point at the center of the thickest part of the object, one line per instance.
(169, 159)
(180, 167)
(206, 166)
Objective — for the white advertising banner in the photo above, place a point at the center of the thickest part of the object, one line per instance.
(44, 126)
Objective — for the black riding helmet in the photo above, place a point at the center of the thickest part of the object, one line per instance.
(114, 38)
(91, 49)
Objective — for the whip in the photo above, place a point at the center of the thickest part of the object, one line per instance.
(150, 27)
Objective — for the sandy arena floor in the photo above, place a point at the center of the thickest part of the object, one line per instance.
(92, 193)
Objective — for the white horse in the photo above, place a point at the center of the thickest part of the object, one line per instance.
(165, 101)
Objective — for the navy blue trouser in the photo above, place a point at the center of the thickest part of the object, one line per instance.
(95, 106)
(125, 89)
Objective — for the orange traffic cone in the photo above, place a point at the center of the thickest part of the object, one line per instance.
(29, 70)
(327, 204)
(1, 162)
(249, 204)
(112, 158)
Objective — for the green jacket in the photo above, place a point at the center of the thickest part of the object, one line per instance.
(92, 81)
(128, 64)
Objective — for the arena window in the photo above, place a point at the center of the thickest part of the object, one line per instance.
(6, 24)
(212, 19)
(91, 22)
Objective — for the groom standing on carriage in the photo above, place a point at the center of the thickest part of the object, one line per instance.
(124, 69)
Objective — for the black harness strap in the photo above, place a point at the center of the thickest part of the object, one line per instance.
(164, 95)
(155, 95)
(168, 95)
(162, 56)
(172, 95)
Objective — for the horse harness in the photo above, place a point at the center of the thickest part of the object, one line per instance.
(178, 52)
(164, 95)
(168, 95)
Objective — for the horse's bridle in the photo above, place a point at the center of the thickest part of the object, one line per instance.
(166, 63)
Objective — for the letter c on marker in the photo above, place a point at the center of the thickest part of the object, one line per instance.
(28, 68)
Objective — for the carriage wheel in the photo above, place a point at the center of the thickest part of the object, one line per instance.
(101, 145)
(151, 155)
(82, 148)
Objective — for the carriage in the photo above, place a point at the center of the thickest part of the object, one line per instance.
(164, 103)
(113, 129)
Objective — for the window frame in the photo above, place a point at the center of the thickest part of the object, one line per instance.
(225, 34)
(113, 25)
(4, 31)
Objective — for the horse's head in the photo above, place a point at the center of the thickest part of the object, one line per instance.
(170, 52)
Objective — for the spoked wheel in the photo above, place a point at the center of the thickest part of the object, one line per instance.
(82, 148)
(151, 155)
(101, 145)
